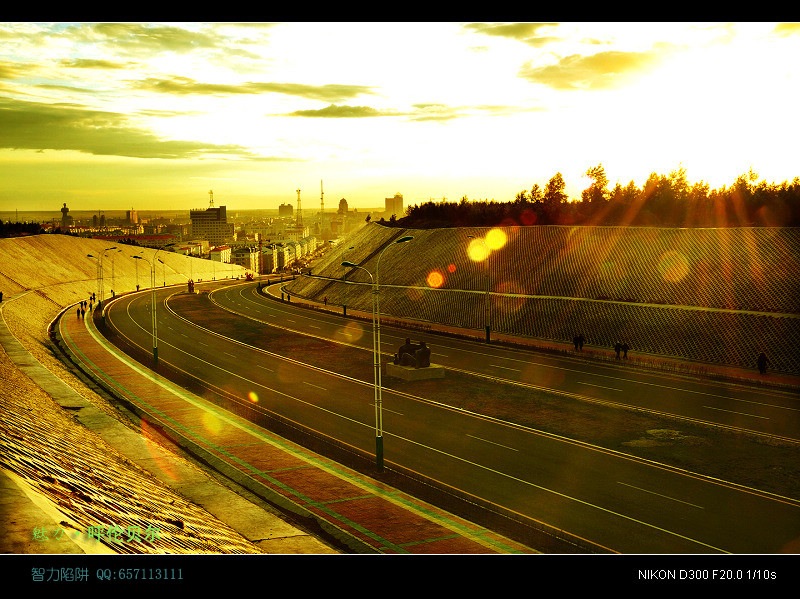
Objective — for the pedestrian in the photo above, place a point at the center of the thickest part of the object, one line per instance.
(83, 312)
(617, 349)
(325, 299)
(575, 342)
(625, 348)
(581, 339)
(762, 363)
(79, 312)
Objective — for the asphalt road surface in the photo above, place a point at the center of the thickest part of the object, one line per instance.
(616, 501)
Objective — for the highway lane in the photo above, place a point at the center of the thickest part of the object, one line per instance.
(624, 504)
(758, 410)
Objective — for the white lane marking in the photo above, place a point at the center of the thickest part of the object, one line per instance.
(700, 507)
(503, 367)
(313, 385)
(493, 443)
(601, 386)
(264, 368)
(739, 413)
(230, 354)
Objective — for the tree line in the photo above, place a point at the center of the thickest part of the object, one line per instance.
(663, 201)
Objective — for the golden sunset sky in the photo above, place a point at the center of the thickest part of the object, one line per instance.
(154, 115)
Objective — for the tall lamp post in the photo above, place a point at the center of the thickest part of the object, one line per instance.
(376, 348)
(137, 271)
(99, 260)
(153, 298)
(487, 318)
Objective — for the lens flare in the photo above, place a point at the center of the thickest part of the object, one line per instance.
(435, 279)
(451, 268)
(352, 331)
(673, 266)
(253, 396)
(495, 239)
(211, 422)
(477, 250)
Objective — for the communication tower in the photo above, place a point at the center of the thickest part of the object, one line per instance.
(299, 211)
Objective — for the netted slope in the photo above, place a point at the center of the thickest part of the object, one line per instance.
(710, 295)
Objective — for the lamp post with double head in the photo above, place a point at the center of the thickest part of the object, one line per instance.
(99, 260)
(376, 348)
(153, 317)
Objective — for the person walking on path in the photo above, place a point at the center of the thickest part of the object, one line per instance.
(575, 342)
(581, 340)
(617, 349)
(625, 348)
(79, 312)
(762, 363)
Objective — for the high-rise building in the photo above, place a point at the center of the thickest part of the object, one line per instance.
(211, 224)
(394, 206)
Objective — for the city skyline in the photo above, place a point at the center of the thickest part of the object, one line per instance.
(152, 116)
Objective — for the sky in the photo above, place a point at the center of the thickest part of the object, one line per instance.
(149, 115)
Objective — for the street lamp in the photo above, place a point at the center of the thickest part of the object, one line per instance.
(137, 271)
(153, 298)
(487, 318)
(113, 280)
(376, 348)
(99, 260)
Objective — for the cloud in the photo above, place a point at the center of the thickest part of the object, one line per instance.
(347, 112)
(787, 29)
(156, 38)
(86, 63)
(603, 70)
(521, 32)
(32, 126)
(11, 70)
(184, 85)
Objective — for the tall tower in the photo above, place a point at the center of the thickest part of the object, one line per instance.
(210, 198)
(299, 211)
(321, 199)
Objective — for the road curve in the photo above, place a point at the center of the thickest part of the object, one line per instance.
(624, 504)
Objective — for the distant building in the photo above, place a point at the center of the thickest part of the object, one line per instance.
(286, 210)
(211, 224)
(248, 257)
(131, 217)
(394, 206)
(221, 253)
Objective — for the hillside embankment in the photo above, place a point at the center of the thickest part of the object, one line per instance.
(77, 479)
(704, 296)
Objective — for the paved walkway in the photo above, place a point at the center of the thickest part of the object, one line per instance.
(362, 514)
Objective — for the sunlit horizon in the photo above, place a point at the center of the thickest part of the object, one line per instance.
(151, 116)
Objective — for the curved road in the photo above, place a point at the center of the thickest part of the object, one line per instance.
(624, 504)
